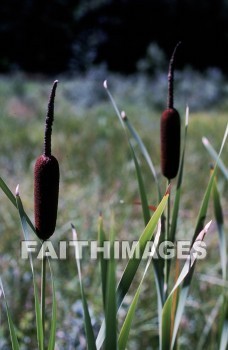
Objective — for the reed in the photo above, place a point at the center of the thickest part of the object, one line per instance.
(46, 180)
(170, 129)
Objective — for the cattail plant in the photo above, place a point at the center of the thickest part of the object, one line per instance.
(170, 130)
(46, 180)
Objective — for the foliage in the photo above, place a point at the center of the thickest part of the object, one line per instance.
(88, 131)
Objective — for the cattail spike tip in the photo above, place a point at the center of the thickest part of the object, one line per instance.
(171, 77)
(49, 121)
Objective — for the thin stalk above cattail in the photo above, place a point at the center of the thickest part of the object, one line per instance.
(46, 180)
(171, 78)
(49, 121)
(170, 129)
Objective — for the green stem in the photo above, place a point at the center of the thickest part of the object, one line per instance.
(166, 239)
(43, 291)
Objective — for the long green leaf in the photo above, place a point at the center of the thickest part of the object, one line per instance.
(157, 263)
(12, 198)
(103, 262)
(110, 305)
(142, 191)
(168, 339)
(7, 192)
(125, 330)
(23, 219)
(209, 324)
(133, 263)
(124, 120)
(220, 225)
(224, 324)
(186, 284)
(51, 343)
(144, 152)
(13, 336)
(214, 155)
(204, 205)
(87, 320)
(199, 225)
(114, 105)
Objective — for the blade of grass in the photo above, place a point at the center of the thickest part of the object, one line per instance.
(144, 202)
(115, 106)
(43, 291)
(204, 205)
(167, 338)
(223, 327)
(175, 300)
(185, 288)
(144, 151)
(123, 119)
(224, 324)
(103, 262)
(214, 155)
(220, 225)
(145, 206)
(166, 261)
(12, 198)
(199, 225)
(87, 319)
(13, 336)
(133, 263)
(209, 323)
(125, 330)
(186, 285)
(157, 263)
(51, 343)
(110, 305)
(7, 192)
(23, 219)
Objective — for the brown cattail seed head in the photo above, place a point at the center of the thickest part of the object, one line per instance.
(170, 142)
(46, 190)
(46, 181)
(170, 130)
